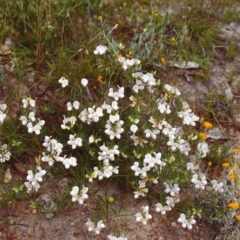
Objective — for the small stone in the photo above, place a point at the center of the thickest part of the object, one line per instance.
(30, 230)
(173, 224)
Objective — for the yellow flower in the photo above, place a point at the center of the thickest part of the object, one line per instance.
(233, 205)
(232, 175)
(163, 61)
(100, 18)
(209, 163)
(238, 217)
(202, 136)
(155, 14)
(226, 164)
(145, 29)
(100, 79)
(111, 199)
(173, 39)
(207, 125)
(130, 53)
(236, 150)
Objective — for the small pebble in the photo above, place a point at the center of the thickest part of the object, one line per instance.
(173, 224)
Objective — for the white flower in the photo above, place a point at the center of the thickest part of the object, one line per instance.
(54, 149)
(199, 181)
(141, 190)
(192, 166)
(138, 86)
(162, 209)
(68, 122)
(170, 201)
(3, 108)
(186, 222)
(202, 149)
(111, 237)
(189, 118)
(153, 134)
(63, 81)
(75, 105)
(34, 179)
(4, 153)
(107, 154)
(173, 190)
(67, 162)
(171, 90)
(126, 63)
(96, 227)
(84, 82)
(101, 49)
(151, 161)
(74, 142)
(90, 115)
(133, 128)
(116, 95)
(138, 171)
(113, 128)
(27, 102)
(91, 139)
(163, 107)
(144, 215)
(79, 196)
(110, 108)
(218, 187)
(2, 116)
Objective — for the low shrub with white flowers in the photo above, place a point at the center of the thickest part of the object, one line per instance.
(138, 128)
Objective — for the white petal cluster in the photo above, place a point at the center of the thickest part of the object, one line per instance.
(217, 187)
(202, 149)
(54, 149)
(68, 122)
(95, 227)
(111, 237)
(126, 62)
(79, 196)
(74, 141)
(107, 154)
(3, 108)
(34, 179)
(28, 102)
(68, 161)
(141, 189)
(144, 80)
(113, 128)
(91, 114)
(116, 95)
(153, 161)
(100, 50)
(63, 81)
(30, 120)
(186, 223)
(199, 180)
(74, 105)
(170, 90)
(110, 108)
(144, 215)
(4, 153)
(172, 189)
(84, 82)
(188, 117)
